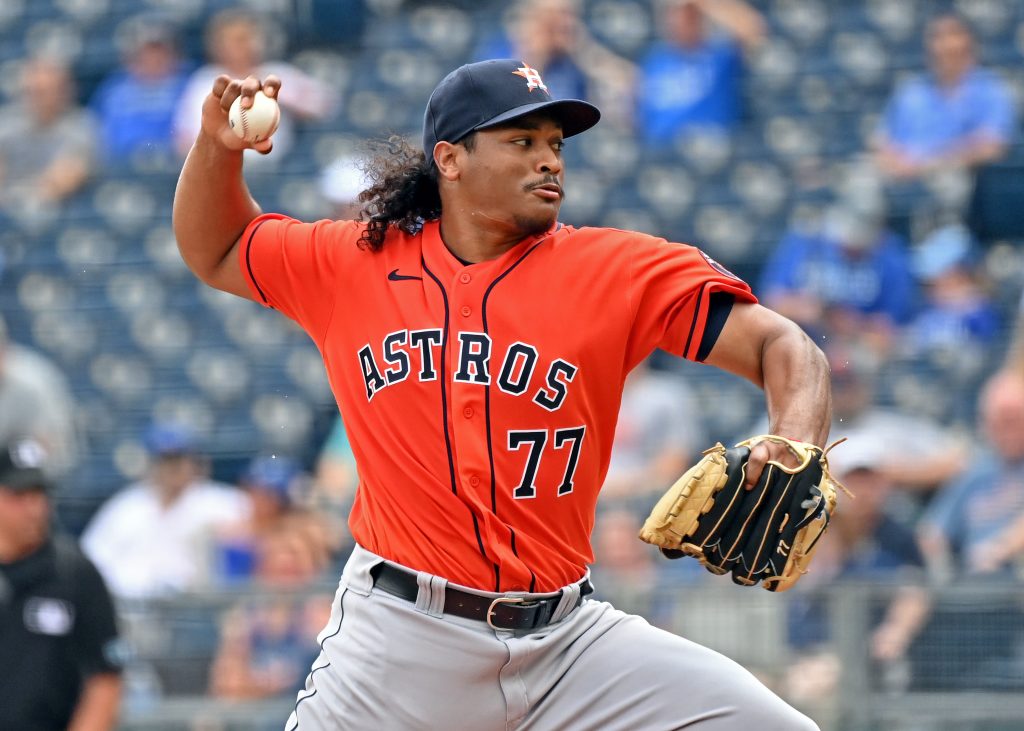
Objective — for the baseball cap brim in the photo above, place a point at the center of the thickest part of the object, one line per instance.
(30, 478)
(22, 466)
(574, 115)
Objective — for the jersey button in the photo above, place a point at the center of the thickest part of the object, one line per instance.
(466, 311)
(474, 480)
(468, 412)
(465, 278)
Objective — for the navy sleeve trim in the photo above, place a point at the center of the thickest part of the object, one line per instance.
(248, 263)
(719, 306)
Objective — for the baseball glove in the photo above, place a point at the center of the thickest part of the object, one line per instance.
(765, 535)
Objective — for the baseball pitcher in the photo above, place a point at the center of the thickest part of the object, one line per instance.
(477, 350)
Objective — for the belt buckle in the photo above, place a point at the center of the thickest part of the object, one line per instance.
(496, 602)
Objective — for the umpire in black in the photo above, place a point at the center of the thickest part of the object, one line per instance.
(60, 657)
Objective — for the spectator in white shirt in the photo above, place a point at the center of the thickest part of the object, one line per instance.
(153, 538)
(236, 44)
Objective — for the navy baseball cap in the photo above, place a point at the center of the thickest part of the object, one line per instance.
(488, 93)
(22, 466)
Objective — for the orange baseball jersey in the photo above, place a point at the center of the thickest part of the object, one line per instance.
(481, 399)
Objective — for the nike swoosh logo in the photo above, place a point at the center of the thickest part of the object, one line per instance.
(394, 276)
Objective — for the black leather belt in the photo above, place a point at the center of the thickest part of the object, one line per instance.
(503, 612)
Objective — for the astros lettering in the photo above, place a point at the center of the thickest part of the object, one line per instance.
(403, 351)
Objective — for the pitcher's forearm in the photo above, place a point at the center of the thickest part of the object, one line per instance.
(797, 387)
(212, 206)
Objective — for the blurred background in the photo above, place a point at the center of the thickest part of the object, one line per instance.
(859, 163)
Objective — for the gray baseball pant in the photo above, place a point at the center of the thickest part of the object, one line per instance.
(388, 664)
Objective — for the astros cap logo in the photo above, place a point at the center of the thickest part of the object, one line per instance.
(485, 94)
(532, 76)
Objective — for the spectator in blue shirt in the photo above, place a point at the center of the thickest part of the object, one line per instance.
(957, 532)
(957, 315)
(692, 79)
(850, 277)
(136, 104)
(968, 534)
(957, 116)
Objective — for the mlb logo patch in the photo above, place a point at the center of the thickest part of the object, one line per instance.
(718, 267)
(46, 616)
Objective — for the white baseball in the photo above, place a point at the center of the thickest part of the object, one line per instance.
(258, 122)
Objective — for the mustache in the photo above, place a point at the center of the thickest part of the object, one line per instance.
(548, 180)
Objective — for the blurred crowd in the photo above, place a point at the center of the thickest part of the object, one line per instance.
(893, 272)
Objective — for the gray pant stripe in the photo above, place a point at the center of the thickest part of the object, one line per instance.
(309, 678)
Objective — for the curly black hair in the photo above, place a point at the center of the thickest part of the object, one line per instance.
(403, 190)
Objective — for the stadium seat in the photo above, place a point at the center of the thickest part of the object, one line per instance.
(585, 195)
(988, 18)
(725, 232)
(707, 151)
(791, 138)
(164, 336)
(161, 250)
(897, 20)
(670, 191)
(86, 251)
(712, 387)
(125, 206)
(447, 31)
(221, 375)
(413, 72)
(775, 66)
(761, 186)
(862, 57)
(97, 420)
(816, 93)
(83, 13)
(624, 26)
(301, 197)
(133, 291)
(330, 147)
(38, 292)
(34, 217)
(634, 219)
(305, 369)
(610, 152)
(257, 330)
(368, 111)
(68, 336)
(284, 422)
(217, 303)
(122, 377)
(805, 21)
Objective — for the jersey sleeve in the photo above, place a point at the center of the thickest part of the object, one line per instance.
(670, 287)
(295, 267)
